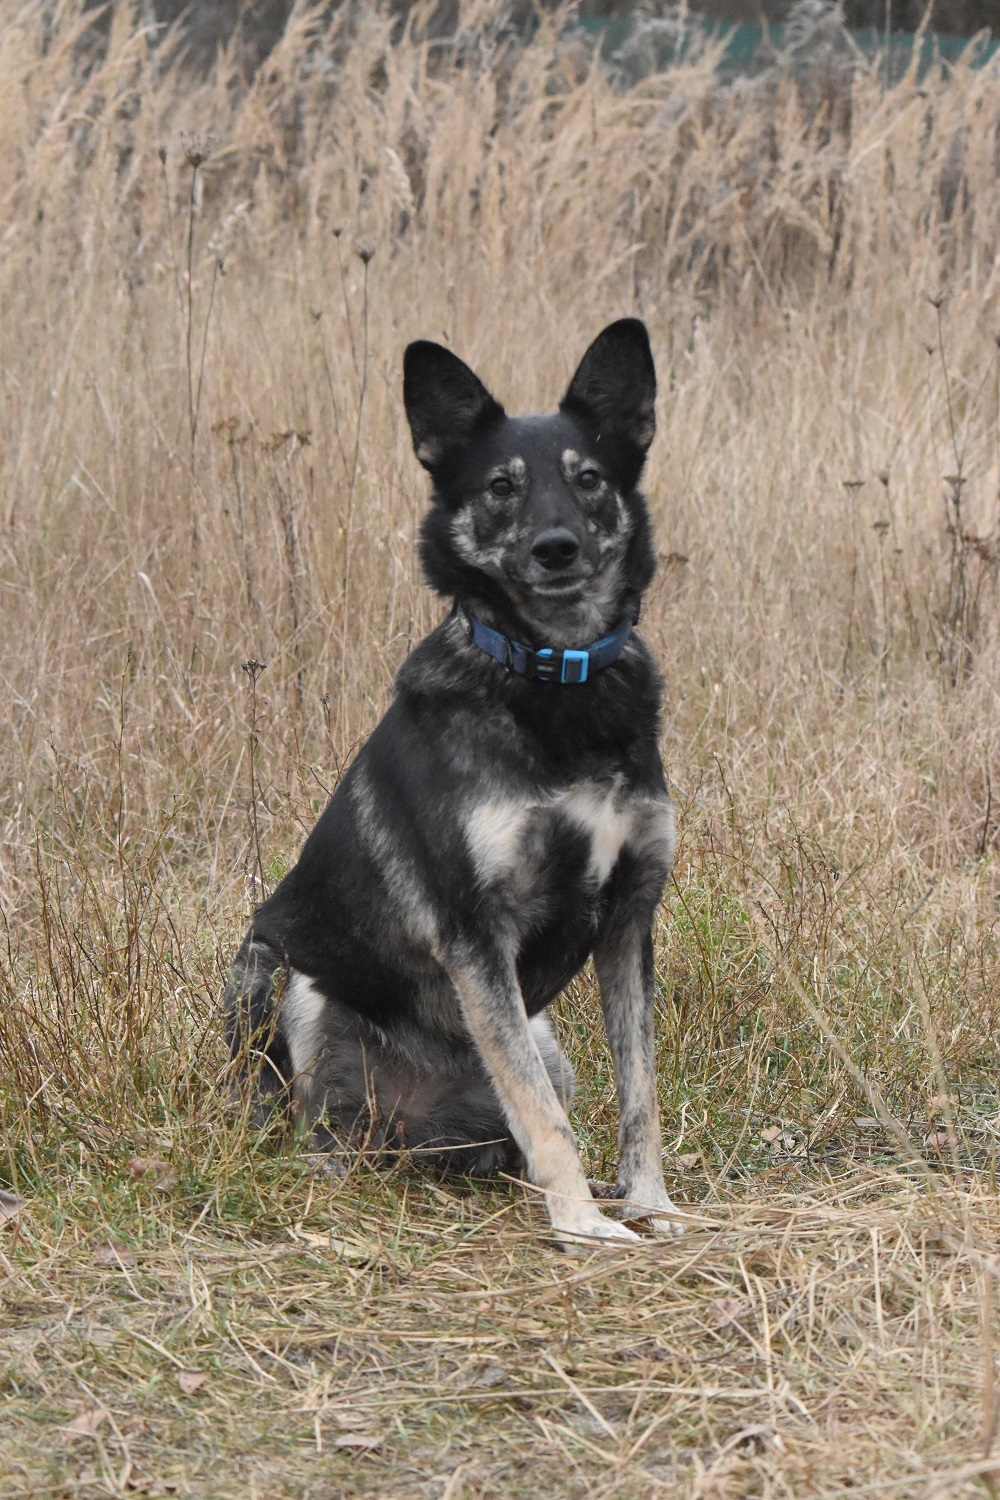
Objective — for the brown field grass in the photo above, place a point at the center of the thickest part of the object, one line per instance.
(205, 290)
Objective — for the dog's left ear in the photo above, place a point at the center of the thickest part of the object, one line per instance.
(615, 385)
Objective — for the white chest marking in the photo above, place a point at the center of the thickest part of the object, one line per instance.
(498, 833)
(597, 812)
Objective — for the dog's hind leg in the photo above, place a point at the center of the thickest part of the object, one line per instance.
(624, 963)
(494, 1011)
(557, 1064)
(457, 1121)
(260, 1055)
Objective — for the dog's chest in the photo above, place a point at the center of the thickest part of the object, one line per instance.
(560, 844)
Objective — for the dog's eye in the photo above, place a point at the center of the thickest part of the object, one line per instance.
(588, 479)
(501, 486)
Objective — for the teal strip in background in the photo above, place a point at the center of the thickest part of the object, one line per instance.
(745, 48)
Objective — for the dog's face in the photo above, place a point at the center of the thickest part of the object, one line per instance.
(539, 516)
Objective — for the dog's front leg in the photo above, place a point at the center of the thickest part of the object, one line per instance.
(624, 963)
(494, 1012)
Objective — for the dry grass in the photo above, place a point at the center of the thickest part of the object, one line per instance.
(205, 464)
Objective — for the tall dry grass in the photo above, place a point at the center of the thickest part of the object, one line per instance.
(207, 520)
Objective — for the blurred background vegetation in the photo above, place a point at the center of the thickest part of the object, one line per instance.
(208, 24)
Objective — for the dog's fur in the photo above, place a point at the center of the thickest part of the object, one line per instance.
(494, 831)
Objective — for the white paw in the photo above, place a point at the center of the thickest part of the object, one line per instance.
(653, 1210)
(331, 1164)
(589, 1234)
(660, 1226)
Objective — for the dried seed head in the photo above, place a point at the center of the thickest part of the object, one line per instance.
(883, 477)
(197, 148)
(364, 253)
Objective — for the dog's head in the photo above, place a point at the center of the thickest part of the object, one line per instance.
(539, 516)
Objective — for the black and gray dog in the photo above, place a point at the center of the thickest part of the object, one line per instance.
(507, 818)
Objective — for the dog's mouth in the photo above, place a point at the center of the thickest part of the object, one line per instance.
(559, 587)
(564, 583)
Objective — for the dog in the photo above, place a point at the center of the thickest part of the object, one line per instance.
(507, 819)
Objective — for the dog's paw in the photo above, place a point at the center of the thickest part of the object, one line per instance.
(656, 1224)
(652, 1212)
(332, 1165)
(593, 1234)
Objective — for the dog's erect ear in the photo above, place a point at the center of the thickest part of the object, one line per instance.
(615, 385)
(446, 404)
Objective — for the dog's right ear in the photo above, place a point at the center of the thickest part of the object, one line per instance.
(447, 405)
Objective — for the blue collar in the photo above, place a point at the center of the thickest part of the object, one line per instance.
(545, 664)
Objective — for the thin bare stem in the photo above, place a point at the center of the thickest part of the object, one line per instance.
(253, 670)
(195, 162)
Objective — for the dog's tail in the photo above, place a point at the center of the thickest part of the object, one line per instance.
(261, 1061)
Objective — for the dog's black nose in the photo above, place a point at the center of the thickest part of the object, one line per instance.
(555, 549)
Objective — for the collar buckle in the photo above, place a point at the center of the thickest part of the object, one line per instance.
(575, 666)
(546, 665)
